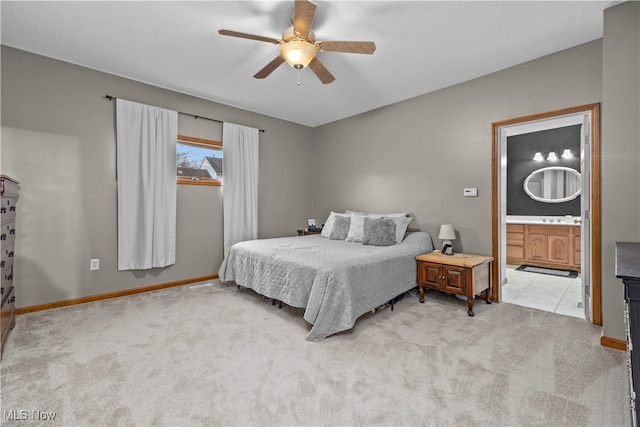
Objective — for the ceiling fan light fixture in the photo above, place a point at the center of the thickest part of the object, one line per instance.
(298, 53)
(298, 46)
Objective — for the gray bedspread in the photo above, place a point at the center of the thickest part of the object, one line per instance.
(334, 281)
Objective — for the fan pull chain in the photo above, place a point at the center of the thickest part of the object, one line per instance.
(298, 76)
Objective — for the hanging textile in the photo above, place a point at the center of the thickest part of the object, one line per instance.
(240, 195)
(146, 167)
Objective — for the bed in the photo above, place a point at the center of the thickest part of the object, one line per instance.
(334, 281)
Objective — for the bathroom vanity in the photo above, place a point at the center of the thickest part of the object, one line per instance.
(544, 244)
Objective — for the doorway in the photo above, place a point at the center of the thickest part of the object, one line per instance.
(587, 118)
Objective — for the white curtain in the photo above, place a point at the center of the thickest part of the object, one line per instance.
(146, 167)
(240, 191)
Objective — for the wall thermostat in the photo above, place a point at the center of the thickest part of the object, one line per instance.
(470, 192)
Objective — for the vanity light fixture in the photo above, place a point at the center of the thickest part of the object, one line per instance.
(538, 157)
(552, 157)
(566, 154)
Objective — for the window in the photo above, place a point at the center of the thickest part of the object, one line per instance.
(198, 161)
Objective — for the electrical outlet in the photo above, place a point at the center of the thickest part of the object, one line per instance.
(94, 264)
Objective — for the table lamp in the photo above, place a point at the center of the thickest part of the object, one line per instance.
(447, 234)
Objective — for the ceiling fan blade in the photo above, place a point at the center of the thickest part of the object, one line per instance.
(321, 71)
(268, 69)
(348, 47)
(248, 36)
(303, 15)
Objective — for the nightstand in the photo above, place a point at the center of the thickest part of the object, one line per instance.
(461, 274)
(305, 232)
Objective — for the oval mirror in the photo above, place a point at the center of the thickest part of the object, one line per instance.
(554, 184)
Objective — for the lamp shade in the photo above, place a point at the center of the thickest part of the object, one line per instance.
(298, 53)
(552, 156)
(538, 157)
(447, 232)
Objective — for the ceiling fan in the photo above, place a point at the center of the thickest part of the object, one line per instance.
(299, 47)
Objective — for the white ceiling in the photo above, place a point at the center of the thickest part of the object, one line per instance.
(422, 46)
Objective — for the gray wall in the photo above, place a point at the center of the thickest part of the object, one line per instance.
(620, 187)
(420, 154)
(58, 140)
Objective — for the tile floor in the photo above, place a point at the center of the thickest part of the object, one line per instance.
(549, 293)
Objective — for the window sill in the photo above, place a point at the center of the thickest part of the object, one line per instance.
(209, 182)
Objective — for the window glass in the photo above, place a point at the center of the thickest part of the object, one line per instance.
(198, 161)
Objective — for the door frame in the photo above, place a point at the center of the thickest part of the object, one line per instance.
(594, 109)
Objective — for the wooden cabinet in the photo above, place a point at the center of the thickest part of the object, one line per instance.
(553, 246)
(9, 198)
(515, 241)
(461, 274)
(448, 278)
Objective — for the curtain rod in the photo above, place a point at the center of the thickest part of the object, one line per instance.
(113, 98)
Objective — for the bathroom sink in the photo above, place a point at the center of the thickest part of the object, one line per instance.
(547, 220)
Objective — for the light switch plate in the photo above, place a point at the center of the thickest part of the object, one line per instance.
(470, 192)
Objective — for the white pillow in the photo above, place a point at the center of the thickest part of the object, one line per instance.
(328, 225)
(377, 214)
(356, 229)
(400, 214)
(402, 222)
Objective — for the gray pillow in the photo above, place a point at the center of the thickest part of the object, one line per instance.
(379, 232)
(340, 228)
(402, 222)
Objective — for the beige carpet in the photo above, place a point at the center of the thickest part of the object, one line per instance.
(221, 356)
